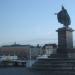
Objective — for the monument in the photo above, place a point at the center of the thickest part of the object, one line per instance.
(65, 37)
(64, 58)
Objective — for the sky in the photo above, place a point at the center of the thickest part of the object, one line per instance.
(32, 21)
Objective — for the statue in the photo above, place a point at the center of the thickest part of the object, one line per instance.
(63, 17)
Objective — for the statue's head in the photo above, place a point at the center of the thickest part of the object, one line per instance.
(63, 8)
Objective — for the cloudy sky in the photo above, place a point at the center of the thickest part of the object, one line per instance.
(32, 21)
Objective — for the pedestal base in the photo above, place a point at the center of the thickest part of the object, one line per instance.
(65, 38)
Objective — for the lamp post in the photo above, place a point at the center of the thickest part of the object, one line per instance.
(30, 57)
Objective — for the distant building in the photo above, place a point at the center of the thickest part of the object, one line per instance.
(35, 51)
(22, 51)
(49, 48)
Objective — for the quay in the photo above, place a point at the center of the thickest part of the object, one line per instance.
(13, 63)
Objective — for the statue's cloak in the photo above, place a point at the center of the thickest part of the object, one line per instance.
(63, 17)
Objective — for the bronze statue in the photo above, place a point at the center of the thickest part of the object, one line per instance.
(63, 17)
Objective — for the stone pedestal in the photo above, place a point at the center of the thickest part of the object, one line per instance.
(65, 40)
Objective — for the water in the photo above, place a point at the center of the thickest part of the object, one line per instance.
(25, 71)
(13, 71)
(17, 71)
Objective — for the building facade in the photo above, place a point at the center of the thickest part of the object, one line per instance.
(49, 49)
(22, 51)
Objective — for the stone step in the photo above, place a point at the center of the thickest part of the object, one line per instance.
(56, 69)
(55, 64)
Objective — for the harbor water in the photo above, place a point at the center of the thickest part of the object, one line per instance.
(25, 71)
